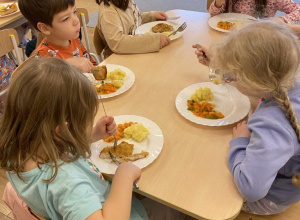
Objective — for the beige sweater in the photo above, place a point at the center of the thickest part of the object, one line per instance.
(116, 26)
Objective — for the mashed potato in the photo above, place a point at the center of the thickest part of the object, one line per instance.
(137, 132)
(116, 74)
(202, 94)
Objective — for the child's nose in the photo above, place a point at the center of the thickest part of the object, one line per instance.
(75, 20)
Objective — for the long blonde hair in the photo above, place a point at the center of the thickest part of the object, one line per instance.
(263, 57)
(50, 108)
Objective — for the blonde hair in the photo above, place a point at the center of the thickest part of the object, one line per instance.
(50, 107)
(263, 57)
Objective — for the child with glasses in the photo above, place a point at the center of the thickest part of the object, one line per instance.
(117, 22)
(259, 8)
(264, 155)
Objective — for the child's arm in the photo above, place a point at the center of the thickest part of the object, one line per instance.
(118, 204)
(82, 63)
(217, 7)
(105, 127)
(200, 54)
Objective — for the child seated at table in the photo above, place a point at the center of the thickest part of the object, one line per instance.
(259, 8)
(263, 60)
(46, 131)
(58, 21)
(117, 22)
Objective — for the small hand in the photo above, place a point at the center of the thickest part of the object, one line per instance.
(128, 170)
(160, 16)
(241, 130)
(82, 63)
(202, 54)
(105, 127)
(164, 40)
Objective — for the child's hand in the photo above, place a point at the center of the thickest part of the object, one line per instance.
(201, 52)
(129, 170)
(105, 127)
(82, 63)
(164, 40)
(219, 3)
(241, 130)
(160, 16)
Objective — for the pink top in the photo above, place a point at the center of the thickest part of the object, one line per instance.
(292, 9)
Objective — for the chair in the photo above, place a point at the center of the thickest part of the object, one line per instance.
(209, 3)
(8, 46)
(83, 16)
(19, 208)
(98, 43)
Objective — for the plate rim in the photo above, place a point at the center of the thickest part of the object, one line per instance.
(209, 122)
(157, 150)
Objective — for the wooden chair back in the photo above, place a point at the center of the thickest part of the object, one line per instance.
(9, 42)
(98, 43)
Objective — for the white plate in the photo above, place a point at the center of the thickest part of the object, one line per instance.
(10, 13)
(152, 144)
(146, 28)
(240, 19)
(128, 80)
(229, 101)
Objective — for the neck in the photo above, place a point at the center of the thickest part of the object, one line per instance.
(60, 43)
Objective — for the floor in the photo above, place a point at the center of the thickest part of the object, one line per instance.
(292, 213)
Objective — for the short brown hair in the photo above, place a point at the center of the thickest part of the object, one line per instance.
(43, 10)
(50, 108)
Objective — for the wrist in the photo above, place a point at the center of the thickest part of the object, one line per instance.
(219, 3)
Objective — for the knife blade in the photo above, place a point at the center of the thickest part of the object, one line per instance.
(114, 159)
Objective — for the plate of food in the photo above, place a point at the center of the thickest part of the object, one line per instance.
(8, 9)
(111, 80)
(165, 27)
(141, 143)
(226, 22)
(213, 105)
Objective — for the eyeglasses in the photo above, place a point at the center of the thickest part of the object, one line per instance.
(227, 77)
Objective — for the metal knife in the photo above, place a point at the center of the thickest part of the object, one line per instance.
(114, 159)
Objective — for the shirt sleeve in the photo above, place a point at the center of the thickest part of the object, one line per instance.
(76, 199)
(119, 42)
(292, 10)
(255, 161)
(43, 51)
(213, 10)
(148, 17)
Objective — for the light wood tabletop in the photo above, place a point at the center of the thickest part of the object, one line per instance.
(191, 173)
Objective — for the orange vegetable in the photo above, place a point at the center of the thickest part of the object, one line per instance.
(204, 110)
(106, 88)
(226, 25)
(120, 133)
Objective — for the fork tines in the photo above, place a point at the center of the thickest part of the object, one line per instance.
(179, 29)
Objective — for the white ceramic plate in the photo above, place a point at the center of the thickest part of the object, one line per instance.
(229, 101)
(152, 144)
(128, 80)
(241, 20)
(10, 13)
(146, 28)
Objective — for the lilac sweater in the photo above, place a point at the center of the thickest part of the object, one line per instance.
(262, 165)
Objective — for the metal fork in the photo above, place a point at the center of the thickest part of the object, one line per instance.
(179, 29)
(115, 139)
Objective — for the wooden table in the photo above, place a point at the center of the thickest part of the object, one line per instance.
(11, 21)
(191, 173)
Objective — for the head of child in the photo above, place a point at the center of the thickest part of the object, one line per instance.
(48, 115)
(122, 4)
(56, 19)
(262, 57)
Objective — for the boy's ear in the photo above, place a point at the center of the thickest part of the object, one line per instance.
(43, 28)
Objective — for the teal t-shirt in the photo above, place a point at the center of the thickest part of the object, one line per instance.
(77, 191)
